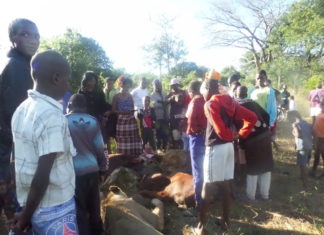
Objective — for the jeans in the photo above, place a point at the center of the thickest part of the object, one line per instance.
(197, 153)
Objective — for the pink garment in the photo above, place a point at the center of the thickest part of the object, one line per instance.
(315, 97)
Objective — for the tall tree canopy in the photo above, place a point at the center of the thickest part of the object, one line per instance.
(82, 53)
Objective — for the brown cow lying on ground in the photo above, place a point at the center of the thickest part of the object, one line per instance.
(176, 160)
(122, 215)
(180, 190)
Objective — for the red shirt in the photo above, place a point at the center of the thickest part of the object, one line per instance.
(196, 117)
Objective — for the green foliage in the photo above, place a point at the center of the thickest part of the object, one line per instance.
(82, 53)
(313, 81)
(185, 68)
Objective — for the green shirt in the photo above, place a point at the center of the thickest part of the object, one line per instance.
(110, 95)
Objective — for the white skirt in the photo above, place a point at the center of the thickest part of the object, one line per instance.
(219, 163)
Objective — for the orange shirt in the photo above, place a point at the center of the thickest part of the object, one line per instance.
(319, 126)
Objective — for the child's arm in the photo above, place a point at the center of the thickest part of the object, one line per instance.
(36, 192)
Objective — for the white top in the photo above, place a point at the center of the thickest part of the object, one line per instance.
(138, 95)
(292, 105)
(40, 128)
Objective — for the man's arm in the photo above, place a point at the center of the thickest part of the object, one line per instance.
(37, 190)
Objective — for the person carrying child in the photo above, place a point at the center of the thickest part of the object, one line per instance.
(302, 131)
(90, 163)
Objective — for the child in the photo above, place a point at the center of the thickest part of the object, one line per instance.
(319, 137)
(15, 81)
(45, 178)
(147, 121)
(302, 131)
(88, 163)
(292, 105)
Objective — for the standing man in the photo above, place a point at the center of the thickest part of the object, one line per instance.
(196, 131)
(159, 103)
(45, 178)
(221, 112)
(15, 81)
(139, 93)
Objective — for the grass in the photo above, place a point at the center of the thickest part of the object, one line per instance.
(292, 209)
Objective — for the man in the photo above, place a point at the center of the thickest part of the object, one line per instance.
(158, 99)
(15, 81)
(139, 93)
(221, 112)
(285, 97)
(265, 96)
(196, 127)
(178, 100)
(45, 178)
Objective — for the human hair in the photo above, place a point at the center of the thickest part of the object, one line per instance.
(212, 84)
(77, 101)
(87, 76)
(15, 25)
(319, 85)
(123, 80)
(262, 73)
(269, 81)
(242, 91)
(194, 87)
(293, 115)
(292, 97)
(233, 78)
(109, 79)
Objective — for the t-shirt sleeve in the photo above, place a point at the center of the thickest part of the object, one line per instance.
(51, 134)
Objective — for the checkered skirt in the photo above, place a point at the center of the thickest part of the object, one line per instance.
(127, 136)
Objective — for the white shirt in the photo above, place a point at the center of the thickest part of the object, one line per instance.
(40, 128)
(138, 95)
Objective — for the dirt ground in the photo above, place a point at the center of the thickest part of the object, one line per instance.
(291, 210)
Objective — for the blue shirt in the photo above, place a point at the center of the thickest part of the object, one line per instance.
(305, 142)
(88, 141)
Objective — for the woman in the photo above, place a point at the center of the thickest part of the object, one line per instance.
(127, 135)
(258, 150)
(96, 104)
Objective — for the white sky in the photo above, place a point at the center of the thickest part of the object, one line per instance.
(121, 27)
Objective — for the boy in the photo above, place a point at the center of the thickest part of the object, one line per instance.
(196, 130)
(45, 178)
(220, 110)
(302, 131)
(15, 81)
(147, 121)
(89, 161)
(319, 137)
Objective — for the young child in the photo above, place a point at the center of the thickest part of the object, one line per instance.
(147, 121)
(89, 162)
(14, 82)
(319, 137)
(292, 105)
(302, 131)
(45, 178)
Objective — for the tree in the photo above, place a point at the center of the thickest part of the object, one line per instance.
(248, 29)
(82, 53)
(166, 50)
(184, 68)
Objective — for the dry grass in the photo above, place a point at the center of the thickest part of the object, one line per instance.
(292, 209)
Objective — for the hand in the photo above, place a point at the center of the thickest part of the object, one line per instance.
(18, 224)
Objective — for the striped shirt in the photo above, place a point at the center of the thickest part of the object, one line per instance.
(40, 128)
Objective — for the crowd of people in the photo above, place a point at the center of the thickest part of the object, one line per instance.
(54, 144)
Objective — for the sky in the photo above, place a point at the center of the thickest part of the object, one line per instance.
(121, 27)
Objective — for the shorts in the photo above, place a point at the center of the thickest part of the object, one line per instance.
(303, 157)
(314, 111)
(219, 163)
(60, 219)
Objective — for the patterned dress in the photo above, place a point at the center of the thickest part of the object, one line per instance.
(127, 135)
